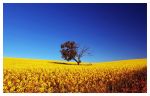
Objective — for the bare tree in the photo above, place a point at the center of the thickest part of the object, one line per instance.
(71, 51)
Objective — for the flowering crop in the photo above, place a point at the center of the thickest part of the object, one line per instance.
(32, 76)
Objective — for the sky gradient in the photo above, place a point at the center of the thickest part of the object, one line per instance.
(111, 31)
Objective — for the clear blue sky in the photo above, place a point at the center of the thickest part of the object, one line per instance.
(111, 31)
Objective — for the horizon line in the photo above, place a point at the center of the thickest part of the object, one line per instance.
(70, 61)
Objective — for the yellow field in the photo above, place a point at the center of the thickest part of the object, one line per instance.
(27, 75)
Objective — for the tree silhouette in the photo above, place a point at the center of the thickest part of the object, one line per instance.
(70, 51)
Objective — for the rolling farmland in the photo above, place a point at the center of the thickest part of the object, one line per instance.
(32, 76)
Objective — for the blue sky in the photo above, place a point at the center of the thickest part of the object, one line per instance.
(111, 31)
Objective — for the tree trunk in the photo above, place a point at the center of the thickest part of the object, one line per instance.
(78, 62)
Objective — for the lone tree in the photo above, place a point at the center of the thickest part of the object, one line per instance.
(71, 51)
